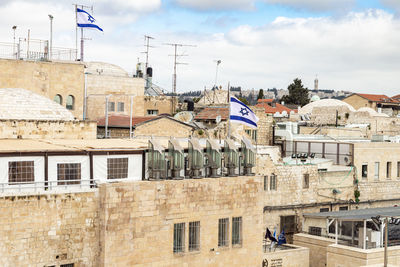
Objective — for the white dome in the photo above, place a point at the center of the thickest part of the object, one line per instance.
(307, 109)
(21, 104)
(372, 112)
(315, 98)
(102, 68)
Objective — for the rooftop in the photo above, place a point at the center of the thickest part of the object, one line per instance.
(211, 113)
(357, 214)
(123, 120)
(21, 104)
(379, 98)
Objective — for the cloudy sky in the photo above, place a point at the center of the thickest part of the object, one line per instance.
(350, 44)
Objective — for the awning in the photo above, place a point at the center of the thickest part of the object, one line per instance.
(214, 144)
(176, 145)
(231, 144)
(358, 214)
(157, 146)
(195, 144)
(248, 144)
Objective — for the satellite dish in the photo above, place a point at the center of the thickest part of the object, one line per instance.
(184, 116)
(218, 119)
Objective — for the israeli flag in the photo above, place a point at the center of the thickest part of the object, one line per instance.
(85, 20)
(240, 113)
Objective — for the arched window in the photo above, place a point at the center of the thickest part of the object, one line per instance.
(58, 99)
(70, 102)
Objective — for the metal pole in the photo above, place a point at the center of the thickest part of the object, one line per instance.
(85, 98)
(336, 231)
(82, 44)
(106, 122)
(229, 116)
(385, 263)
(51, 36)
(14, 54)
(76, 33)
(130, 119)
(27, 49)
(365, 235)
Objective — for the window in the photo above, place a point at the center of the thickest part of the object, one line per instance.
(272, 183)
(324, 210)
(179, 237)
(111, 106)
(223, 229)
(398, 169)
(344, 208)
(289, 224)
(117, 168)
(265, 183)
(314, 230)
(68, 173)
(120, 106)
(306, 180)
(237, 231)
(58, 99)
(364, 170)
(252, 134)
(152, 112)
(21, 172)
(194, 236)
(67, 265)
(70, 102)
(376, 170)
(388, 170)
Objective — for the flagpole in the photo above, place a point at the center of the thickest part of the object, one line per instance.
(76, 33)
(229, 116)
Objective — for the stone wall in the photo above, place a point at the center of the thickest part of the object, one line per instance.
(164, 127)
(46, 78)
(294, 257)
(317, 246)
(45, 230)
(32, 129)
(137, 221)
(359, 102)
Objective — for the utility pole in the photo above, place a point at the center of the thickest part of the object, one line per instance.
(147, 45)
(14, 54)
(51, 36)
(176, 55)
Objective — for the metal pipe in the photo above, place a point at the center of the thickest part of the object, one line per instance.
(385, 262)
(106, 122)
(51, 36)
(85, 98)
(130, 118)
(336, 231)
(365, 235)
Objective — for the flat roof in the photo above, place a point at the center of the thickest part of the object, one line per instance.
(358, 214)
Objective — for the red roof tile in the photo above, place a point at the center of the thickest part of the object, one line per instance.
(265, 100)
(378, 98)
(396, 97)
(272, 110)
(123, 120)
(211, 113)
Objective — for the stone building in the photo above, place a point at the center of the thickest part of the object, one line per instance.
(379, 103)
(160, 126)
(62, 82)
(24, 114)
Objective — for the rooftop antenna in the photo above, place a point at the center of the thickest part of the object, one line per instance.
(147, 39)
(176, 56)
(216, 77)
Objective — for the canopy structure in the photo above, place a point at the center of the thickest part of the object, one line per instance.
(373, 215)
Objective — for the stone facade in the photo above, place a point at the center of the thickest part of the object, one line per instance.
(32, 129)
(358, 102)
(164, 127)
(45, 230)
(47, 79)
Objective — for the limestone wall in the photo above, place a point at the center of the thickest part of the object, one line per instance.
(358, 102)
(46, 78)
(30, 129)
(45, 230)
(317, 246)
(137, 221)
(295, 257)
(164, 127)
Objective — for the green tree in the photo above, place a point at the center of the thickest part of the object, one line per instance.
(244, 100)
(298, 95)
(260, 94)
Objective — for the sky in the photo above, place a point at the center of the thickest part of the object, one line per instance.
(349, 44)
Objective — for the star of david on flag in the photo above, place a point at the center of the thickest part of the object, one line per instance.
(85, 20)
(240, 113)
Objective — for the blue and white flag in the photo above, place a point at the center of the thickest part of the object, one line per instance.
(241, 113)
(85, 20)
(282, 238)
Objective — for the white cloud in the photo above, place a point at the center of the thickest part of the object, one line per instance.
(395, 4)
(315, 5)
(217, 4)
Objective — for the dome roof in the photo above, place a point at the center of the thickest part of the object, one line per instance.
(307, 109)
(102, 68)
(372, 112)
(315, 98)
(21, 104)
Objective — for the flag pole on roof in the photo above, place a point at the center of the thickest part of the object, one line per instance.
(84, 20)
(229, 119)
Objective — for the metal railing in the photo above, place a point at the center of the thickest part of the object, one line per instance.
(36, 49)
(45, 186)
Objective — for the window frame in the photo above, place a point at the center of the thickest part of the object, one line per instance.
(119, 172)
(194, 236)
(152, 112)
(388, 169)
(366, 171)
(306, 181)
(111, 106)
(179, 238)
(70, 106)
(265, 182)
(273, 182)
(23, 170)
(69, 167)
(119, 105)
(223, 232)
(237, 231)
(376, 173)
(60, 97)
